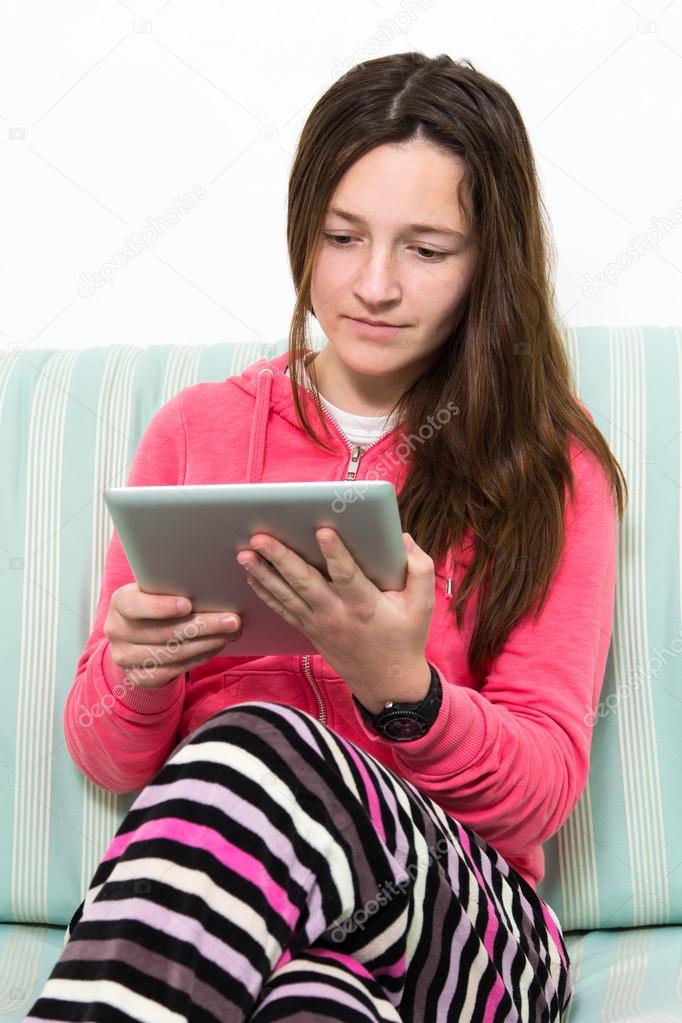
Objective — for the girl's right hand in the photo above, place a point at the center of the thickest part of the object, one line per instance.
(154, 642)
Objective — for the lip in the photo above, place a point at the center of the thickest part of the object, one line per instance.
(375, 323)
(374, 330)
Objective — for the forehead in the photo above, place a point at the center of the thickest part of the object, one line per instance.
(396, 185)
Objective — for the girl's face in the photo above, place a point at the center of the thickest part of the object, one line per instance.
(381, 267)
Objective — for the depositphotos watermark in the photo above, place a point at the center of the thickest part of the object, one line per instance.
(388, 29)
(136, 243)
(403, 448)
(640, 245)
(165, 653)
(384, 895)
(287, 800)
(636, 678)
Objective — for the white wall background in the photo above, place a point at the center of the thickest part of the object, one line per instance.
(115, 116)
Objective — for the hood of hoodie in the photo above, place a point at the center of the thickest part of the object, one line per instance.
(266, 380)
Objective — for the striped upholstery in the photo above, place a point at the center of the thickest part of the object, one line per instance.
(70, 422)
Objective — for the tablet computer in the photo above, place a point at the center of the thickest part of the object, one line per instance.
(184, 540)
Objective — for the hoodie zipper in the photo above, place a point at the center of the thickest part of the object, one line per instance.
(356, 452)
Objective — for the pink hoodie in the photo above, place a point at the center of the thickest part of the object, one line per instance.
(508, 759)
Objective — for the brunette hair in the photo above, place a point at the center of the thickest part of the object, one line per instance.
(497, 470)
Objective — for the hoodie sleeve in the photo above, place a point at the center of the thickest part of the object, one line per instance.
(510, 760)
(119, 735)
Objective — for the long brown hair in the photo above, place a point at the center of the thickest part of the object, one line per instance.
(499, 468)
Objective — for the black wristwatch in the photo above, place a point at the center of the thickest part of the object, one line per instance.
(403, 722)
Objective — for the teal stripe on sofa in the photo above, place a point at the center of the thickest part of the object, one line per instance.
(616, 862)
(626, 976)
(70, 422)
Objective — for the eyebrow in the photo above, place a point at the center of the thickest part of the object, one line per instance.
(418, 228)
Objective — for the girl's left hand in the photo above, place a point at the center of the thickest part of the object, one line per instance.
(371, 638)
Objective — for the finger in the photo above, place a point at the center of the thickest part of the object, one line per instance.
(153, 677)
(344, 571)
(286, 574)
(200, 625)
(421, 561)
(137, 655)
(282, 607)
(266, 581)
(134, 603)
(421, 572)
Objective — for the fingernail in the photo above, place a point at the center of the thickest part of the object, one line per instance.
(230, 623)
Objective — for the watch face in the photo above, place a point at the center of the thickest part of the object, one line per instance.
(404, 728)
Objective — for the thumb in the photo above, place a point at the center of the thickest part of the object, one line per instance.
(419, 573)
(411, 545)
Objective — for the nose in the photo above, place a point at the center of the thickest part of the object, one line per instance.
(376, 281)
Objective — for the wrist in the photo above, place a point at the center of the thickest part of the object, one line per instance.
(403, 720)
(419, 678)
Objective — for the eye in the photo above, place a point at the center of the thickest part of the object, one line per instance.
(438, 255)
(336, 239)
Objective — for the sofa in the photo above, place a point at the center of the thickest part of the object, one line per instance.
(70, 422)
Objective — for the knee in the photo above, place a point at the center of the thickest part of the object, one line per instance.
(257, 727)
(260, 715)
(260, 740)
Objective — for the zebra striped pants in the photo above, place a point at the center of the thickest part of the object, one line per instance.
(273, 870)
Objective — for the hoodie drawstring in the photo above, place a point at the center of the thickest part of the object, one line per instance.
(259, 426)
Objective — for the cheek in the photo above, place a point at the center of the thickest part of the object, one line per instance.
(438, 294)
(321, 283)
(449, 287)
(329, 271)
(465, 273)
(329, 285)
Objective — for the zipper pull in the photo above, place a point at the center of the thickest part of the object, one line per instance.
(356, 451)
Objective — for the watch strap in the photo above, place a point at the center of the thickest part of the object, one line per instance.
(405, 722)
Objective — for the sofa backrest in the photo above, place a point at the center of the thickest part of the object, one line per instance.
(70, 423)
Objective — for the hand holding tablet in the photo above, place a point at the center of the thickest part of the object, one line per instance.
(154, 640)
(185, 539)
(374, 640)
